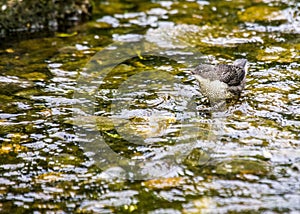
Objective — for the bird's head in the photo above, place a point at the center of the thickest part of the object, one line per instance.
(242, 63)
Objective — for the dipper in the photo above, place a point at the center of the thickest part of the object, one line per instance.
(221, 82)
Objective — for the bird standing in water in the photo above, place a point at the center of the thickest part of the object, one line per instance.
(221, 82)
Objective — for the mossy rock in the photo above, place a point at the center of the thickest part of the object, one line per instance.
(35, 15)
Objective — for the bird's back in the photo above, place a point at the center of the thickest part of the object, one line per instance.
(232, 75)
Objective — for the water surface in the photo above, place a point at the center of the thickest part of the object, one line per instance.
(109, 120)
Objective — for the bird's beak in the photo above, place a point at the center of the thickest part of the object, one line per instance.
(188, 71)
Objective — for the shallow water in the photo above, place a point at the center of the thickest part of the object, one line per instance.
(108, 119)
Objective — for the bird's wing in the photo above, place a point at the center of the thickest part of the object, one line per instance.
(230, 74)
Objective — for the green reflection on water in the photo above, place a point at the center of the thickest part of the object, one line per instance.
(43, 167)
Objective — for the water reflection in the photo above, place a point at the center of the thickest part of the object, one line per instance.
(145, 105)
(255, 163)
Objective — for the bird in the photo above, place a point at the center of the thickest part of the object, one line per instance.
(222, 81)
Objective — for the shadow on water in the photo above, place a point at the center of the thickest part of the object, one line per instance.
(107, 119)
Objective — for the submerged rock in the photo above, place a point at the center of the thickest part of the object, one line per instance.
(243, 166)
(262, 14)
